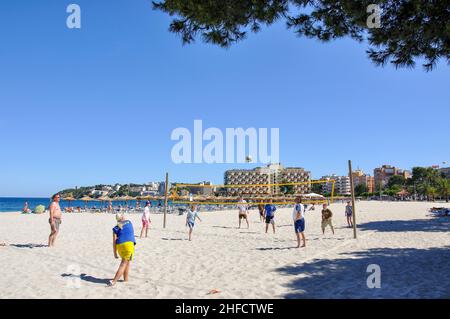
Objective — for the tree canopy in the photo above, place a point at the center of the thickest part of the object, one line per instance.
(396, 180)
(409, 30)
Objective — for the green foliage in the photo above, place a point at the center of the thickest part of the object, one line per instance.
(76, 193)
(443, 188)
(429, 183)
(317, 188)
(410, 30)
(396, 180)
(360, 189)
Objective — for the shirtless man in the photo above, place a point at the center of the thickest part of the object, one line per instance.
(55, 220)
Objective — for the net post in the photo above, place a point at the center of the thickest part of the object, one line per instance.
(332, 191)
(166, 199)
(350, 172)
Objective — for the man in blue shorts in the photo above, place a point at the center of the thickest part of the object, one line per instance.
(269, 215)
(299, 221)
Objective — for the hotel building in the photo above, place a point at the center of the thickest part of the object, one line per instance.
(271, 174)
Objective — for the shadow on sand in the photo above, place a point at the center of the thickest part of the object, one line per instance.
(405, 273)
(225, 227)
(419, 225)
(275, 248)
(87, 278)
(29, 246)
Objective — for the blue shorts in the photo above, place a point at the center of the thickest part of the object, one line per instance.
(299, 225)
(191, 225)
(270, 219)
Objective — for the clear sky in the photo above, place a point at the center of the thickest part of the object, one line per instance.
(98, 105)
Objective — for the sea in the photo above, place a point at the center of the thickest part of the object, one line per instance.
(16, 204)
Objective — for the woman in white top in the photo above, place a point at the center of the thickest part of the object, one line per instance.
(146, 220)
(243, 211)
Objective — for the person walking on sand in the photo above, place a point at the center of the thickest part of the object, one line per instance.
(261, 211)
(123, 246)
(191, 216)
(327, 218)
(349, 214)
(299, 222)
(146, 220)
(269, 215)
(54, 220)
(243, 211)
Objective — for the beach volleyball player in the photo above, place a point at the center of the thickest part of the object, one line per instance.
(123, 246)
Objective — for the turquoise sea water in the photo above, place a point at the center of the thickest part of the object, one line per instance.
(15, 204)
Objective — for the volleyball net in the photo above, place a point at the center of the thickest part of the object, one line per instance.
(312, 192)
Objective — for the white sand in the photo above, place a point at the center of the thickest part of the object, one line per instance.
(412, 249)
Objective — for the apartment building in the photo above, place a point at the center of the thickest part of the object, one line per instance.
(384, 173)
(360, 178)
(262, 176)
(341, 185)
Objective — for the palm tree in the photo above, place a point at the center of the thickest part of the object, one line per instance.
(444, 188)
(430, 192)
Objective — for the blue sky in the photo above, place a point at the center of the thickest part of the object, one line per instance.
(98, 105)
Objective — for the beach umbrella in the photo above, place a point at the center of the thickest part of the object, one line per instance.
(311, 195)
(86, 199)
(125, 199)
(104, 198)
(68, 199)
(144, 198)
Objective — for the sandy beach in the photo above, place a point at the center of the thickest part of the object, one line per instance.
(411, 247)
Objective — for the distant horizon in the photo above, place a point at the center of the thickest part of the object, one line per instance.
(371, 173)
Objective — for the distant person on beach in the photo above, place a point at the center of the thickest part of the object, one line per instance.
(123, 246)
(269, 215)
(243, 211)
(26, 209)
(349, 214)
(327, 218)
(146, 220)
(191, 216)
(299, 222)
(54, 220)
(261, 211)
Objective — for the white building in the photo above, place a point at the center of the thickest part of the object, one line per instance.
(342, 184)
(152, 186)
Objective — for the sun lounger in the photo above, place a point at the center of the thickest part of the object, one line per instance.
(440, 211)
